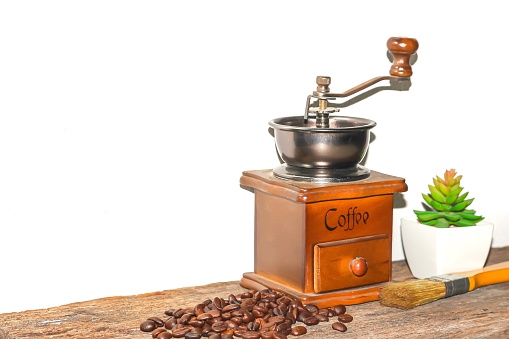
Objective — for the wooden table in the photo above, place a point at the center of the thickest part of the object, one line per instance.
(482, 313)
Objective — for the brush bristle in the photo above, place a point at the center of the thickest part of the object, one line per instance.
(411, 293)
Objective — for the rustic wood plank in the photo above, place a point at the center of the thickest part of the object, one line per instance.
(482, 313)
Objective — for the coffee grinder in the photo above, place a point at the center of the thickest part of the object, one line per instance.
(323, 222)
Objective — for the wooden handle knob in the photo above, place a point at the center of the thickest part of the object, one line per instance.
(402, 49)
(359, 266)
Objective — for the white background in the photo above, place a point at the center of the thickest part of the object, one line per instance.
(125, 127)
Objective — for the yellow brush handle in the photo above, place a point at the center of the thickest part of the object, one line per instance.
(488, 275)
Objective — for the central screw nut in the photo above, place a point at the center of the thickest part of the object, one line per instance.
(323, 83)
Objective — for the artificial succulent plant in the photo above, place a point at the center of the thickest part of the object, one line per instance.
(447, 205)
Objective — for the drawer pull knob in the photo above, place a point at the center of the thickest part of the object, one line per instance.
(359, 266)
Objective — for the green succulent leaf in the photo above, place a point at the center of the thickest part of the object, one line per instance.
(428, 215)
(464, 222)
(471, 216)
(436, 194)
(443, 188)
(430, 223)
(462, 205)
(442, 223)
(451, 199)
(456, 191)
(462, 197)
(452, 217)
(438, 206)
(427, 198)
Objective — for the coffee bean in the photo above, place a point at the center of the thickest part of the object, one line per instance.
(219, 326)
(311, 321)
(192, 335)
(303, 315)
(157, 331)
(178, 313)
(278, 335)
(164, 335)
(268, 335)
(299, 330)
(231, 307)
(181, 332)
(322, 317)
(312, 309)
(250, 335)
(345, 318)
(339, 309)
(148, 326)
(338, 326)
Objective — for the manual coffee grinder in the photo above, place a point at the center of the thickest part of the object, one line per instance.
(323, 222)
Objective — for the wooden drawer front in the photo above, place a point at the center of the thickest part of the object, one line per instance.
(332, 262)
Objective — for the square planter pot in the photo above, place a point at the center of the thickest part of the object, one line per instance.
(432, 251)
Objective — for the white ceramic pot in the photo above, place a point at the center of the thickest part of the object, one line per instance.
(432, 251)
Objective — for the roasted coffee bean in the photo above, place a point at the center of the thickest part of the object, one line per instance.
(148, 326)
(322, 317)
(196, 323)
(181, 332)
(164, 335)
(248, 304)
(159, 322)
(169, 312)
(250, 335)
(185, 318)
(253, 326)
(206, 329)
(204, 316)
(312, 309)
(339, 309)
(170, 322)
(239, 331)
(299, 330)
(178, 313)
(219, 326)
(226, 316)
(278, 335)
(311, 321)
(248, 317)
(257, 314)
(192, 335)
(284, 328)
(278, 319)
(246, 295)
(345, 318)
(227, 336)
(303, 315)
(268, 335)
(215, 313)
(157, 331)
(231, 307)
(339, 326)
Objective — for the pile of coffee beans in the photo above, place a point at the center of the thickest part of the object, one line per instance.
(265, 314)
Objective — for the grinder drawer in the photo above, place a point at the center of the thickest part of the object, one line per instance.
(351, 263)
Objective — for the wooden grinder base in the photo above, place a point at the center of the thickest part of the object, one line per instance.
(324, 243)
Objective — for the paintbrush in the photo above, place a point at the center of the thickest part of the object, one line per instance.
(411, 293)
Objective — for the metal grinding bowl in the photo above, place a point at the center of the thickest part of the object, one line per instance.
(324, 148)
(314, 153)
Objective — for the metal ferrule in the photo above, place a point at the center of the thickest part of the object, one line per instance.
(454, 284)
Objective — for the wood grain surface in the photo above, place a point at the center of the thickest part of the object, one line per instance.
(482, 313)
